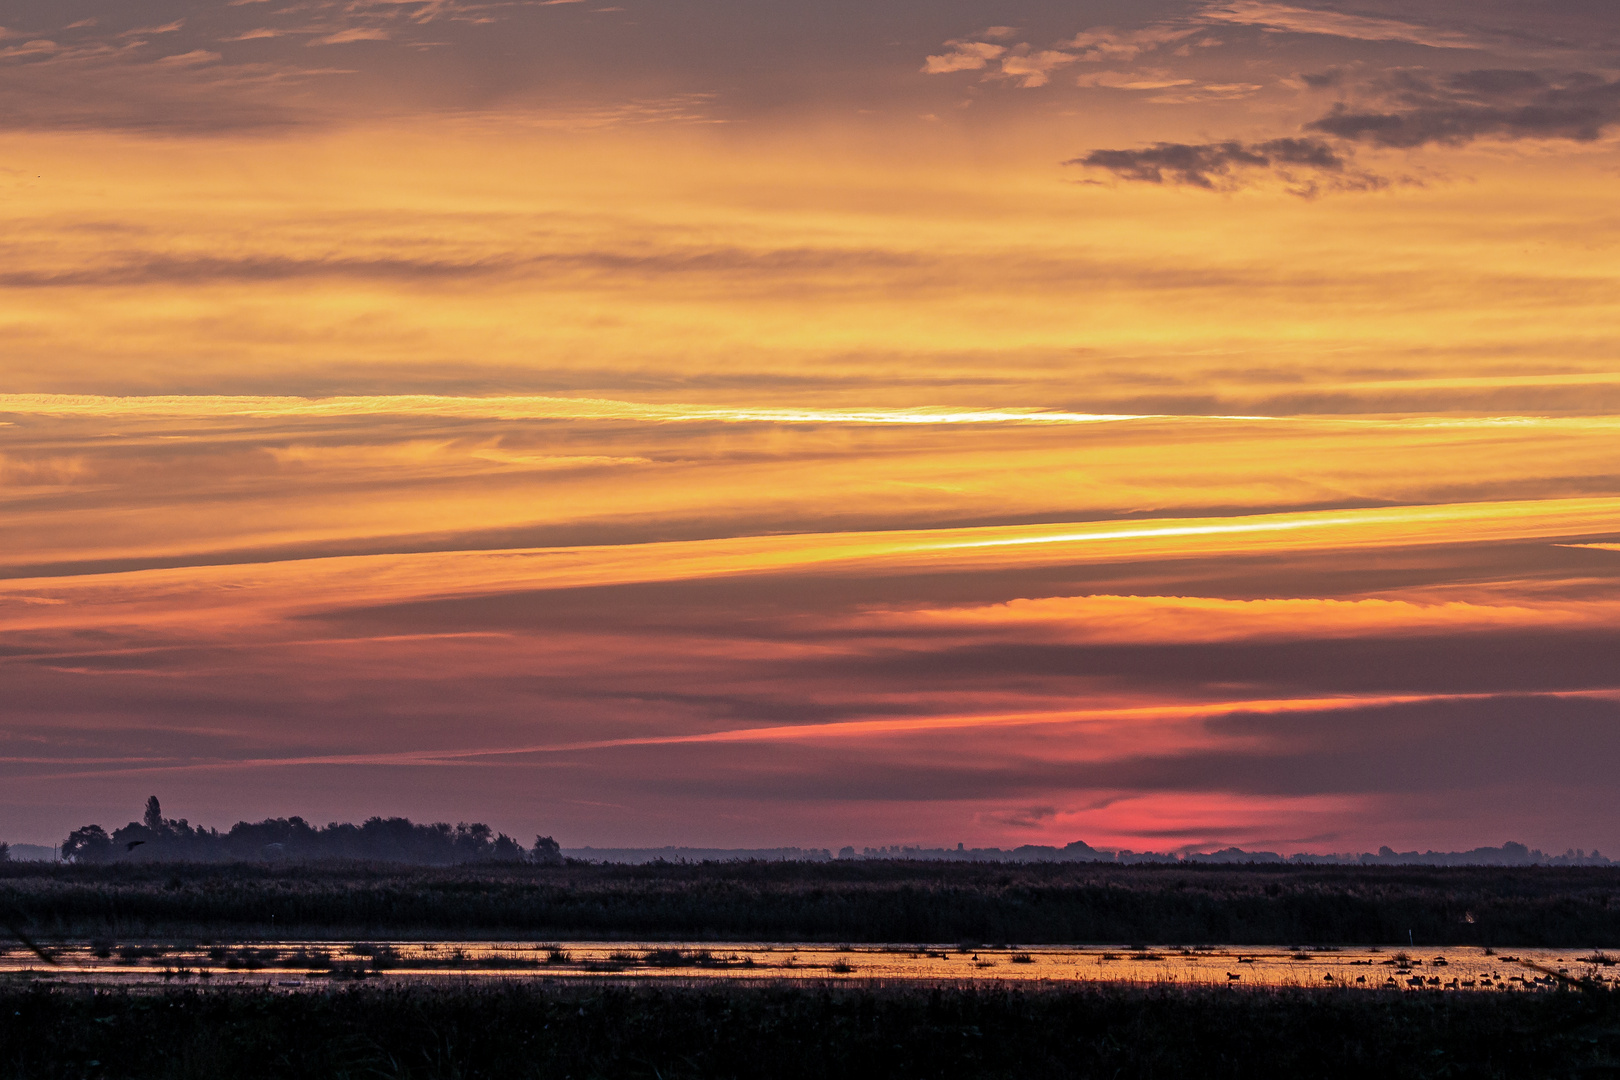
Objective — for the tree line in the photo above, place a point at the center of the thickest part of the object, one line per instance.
(378, 839)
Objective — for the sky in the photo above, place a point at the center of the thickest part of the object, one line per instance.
(1166, 425)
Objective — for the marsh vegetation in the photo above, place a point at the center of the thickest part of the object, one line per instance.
(534, 1029)
(868, 901)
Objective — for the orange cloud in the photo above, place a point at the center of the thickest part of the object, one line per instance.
(1119, 619)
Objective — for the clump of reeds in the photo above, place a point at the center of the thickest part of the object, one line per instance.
(525, 1029)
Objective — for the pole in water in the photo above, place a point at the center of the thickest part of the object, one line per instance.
(1409, 940)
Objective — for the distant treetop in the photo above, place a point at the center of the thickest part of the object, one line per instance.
(378, 839)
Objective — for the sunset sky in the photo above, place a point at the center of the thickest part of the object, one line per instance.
(1166, 425)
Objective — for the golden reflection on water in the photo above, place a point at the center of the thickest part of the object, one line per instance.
(303, 963)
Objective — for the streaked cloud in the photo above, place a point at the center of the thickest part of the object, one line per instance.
(1329, 22)
(1180, 618)
(356, 33)
(1034, 67)
(514, 408)
(1109, 44)
(366, 579)
(1120, 80)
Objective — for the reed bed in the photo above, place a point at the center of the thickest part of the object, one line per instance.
(537, 1029)
(1557, 907)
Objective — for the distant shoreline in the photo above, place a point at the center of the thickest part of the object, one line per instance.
(1508, 855)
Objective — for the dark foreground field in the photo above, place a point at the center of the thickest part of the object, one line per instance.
(1574, 907)
(537, 1030)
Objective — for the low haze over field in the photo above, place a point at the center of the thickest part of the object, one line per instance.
(1167, 425)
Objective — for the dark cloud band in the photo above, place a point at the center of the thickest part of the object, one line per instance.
(1411, 110)
(1504, 104)
(1213, 165)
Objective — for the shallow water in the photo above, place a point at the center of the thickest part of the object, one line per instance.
(311, 963)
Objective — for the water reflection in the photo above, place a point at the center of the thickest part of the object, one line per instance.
(300, 963)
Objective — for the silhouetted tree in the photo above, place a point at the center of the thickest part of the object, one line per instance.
(506, 849)
(547, 852)
(5, 851)
(474, 841)
(377, 839)
(88, 844)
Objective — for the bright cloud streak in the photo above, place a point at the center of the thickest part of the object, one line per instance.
(851, 730)
(248, 593)
(515, 408)
(1192, 618)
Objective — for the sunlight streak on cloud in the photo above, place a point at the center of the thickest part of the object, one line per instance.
(1116, 619)
(247, 595)
(519, 408)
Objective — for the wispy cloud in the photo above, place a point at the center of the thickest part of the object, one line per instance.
(963, 56)
(357, 33)
(1117, 45)
(1332, 23)
(1128, 80)
(1030, 66)
(166, 28)
(191, 59)
(1119, 619)
(1034, 67)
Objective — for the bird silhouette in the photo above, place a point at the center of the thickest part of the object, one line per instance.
(133, 844)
